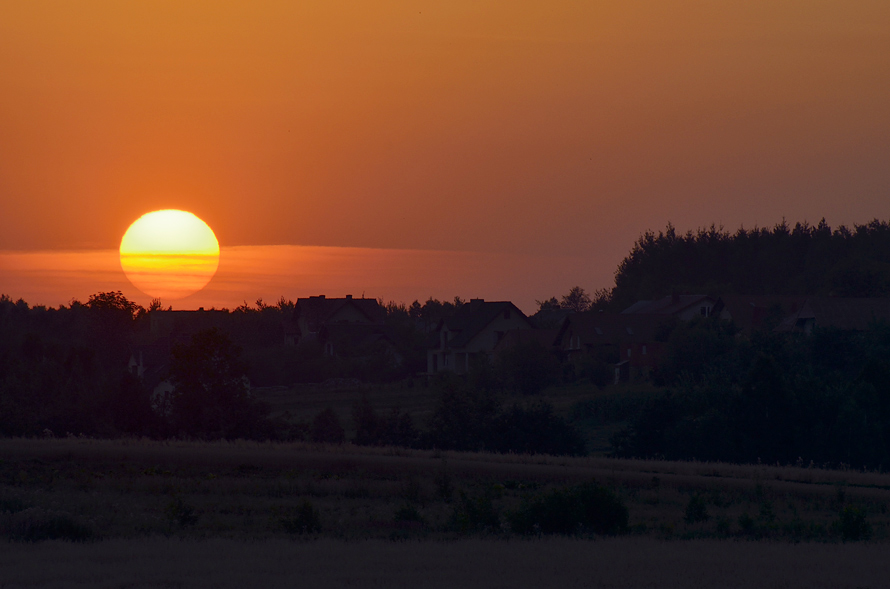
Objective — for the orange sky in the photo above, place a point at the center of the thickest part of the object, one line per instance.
(560, 128)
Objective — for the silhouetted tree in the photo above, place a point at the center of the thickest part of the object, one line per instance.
(211, 398)
(576, 300)
(326, 428)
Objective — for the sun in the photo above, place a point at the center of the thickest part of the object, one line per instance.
(169, 254)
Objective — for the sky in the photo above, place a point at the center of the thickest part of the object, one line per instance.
(538, 138)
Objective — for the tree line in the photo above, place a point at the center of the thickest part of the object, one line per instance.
(801, 260)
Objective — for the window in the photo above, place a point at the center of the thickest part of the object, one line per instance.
(630, 330)
(644, 349)
(598, 330)
(705, 311)
(628, 352)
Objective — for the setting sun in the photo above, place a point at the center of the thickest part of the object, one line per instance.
(169, 254)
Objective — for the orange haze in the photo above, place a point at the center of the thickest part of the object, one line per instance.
(247, 273)
(561, 128)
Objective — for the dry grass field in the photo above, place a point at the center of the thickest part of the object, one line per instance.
(234, 514)
(248, 490)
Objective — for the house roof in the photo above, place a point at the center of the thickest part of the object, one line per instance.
(670, 305)
(471, 318)
(856, 314)
(318, 310)
(596, 328)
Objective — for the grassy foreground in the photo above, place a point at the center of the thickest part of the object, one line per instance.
(84, 489)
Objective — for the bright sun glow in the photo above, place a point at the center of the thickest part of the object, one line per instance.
(169, 254)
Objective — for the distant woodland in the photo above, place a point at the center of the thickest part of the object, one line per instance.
(717, 393)
(800, 260)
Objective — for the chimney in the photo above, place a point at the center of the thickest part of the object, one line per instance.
(349, 297)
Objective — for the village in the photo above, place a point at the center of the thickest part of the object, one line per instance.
(629, 343)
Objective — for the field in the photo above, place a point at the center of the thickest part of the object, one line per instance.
(133, 502)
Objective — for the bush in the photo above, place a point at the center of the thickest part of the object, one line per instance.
(476, 514)
(533, 430)
(696, 510)
(36, 525)
(527, 368)
(408, 513)
(585, 508)
(306, 520)
(852, 525)
(326, 428)
(181, 513)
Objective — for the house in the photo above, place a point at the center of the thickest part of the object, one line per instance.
(629, 341)
(518, 337)
(474, 330)
(849, 314)
(751, 313)
(683, 307)
(312, 314)
(150, 363)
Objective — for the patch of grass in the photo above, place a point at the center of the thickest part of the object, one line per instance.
(180, 513)
(37, 525)
(852, 524)
(476, 514)
(572, 510)
(696, 510)
(305, 520)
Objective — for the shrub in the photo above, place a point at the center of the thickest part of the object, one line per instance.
(36, 525)
(527, 368)
(306, 520)
(181, 513)
(326, 428)
(444, 486)
(476, 514)
(696, 509)
(585, 508)
(852, 525)
(533, 430)
(408, 513)
(12, 505)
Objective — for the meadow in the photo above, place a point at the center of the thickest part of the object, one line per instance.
(183, 513)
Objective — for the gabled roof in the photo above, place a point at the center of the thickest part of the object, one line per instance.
(855, 314)
(471, 318)
(317, 311)
(670, 305)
